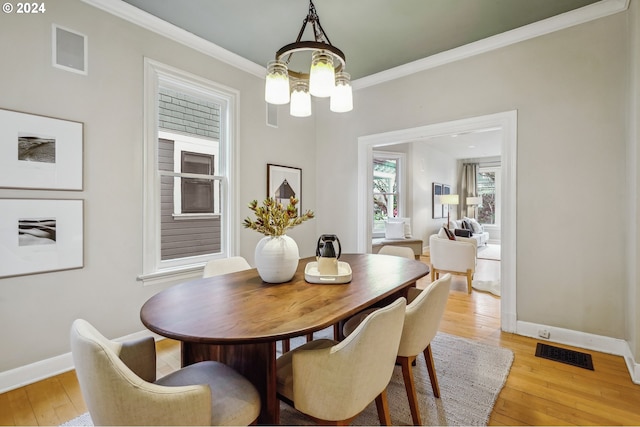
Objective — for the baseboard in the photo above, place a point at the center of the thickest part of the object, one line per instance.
(618, 347)
(43, 369)
(28, 374)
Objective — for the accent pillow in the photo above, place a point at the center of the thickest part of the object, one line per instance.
(394, 230)
(442, 234)
(407, 225)
(462, 233)
(450, 235)
(475, 226)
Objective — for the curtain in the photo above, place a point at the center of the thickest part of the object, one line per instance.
(468, 187)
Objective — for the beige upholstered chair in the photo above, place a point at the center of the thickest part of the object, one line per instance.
(402, 251)
(333, 382)
(453, 256)
(421, 322)
(232, 264)
(118, 384)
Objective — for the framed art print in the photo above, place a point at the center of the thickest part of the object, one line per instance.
(40, 152)
(446, 189)
(435, 200)
(284, 182)
(40, 235)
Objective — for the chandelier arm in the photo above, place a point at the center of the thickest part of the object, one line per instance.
(304, 24)
(326, 37)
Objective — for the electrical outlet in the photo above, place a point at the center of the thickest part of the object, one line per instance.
(543, 333)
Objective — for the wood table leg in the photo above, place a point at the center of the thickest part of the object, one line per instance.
(257, 362)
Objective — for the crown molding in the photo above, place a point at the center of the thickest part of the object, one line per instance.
(546, 26)
(152, 23)
(569, 19)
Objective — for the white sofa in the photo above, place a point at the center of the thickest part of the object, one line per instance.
(478, 233)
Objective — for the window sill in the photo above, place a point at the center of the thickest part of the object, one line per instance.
(188, 216)
(172, 275)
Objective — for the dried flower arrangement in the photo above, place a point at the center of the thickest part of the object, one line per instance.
(273, 219)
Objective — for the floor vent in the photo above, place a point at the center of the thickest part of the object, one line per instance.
(570, 357)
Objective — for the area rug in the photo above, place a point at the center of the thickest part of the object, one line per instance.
(470, 374)
(489, 251)
(492, 286)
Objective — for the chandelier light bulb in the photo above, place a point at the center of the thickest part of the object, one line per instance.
(342, 96)
(276, 89)
(300, 100)
(322, 76)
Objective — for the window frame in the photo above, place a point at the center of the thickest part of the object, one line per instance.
(400, 185)
(187, 143)
(496, 170)
(156, 74)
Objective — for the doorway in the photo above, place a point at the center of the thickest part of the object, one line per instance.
(507, 123)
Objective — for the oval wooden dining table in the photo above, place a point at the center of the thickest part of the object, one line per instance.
(237, 318)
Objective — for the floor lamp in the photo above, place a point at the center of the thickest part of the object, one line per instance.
(449, 199)
(474, 202)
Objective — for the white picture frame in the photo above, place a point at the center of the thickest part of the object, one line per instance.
(40, 235)
(39, 152)
(284, 182)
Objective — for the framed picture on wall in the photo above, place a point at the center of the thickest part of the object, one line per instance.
(436, 192)
(446, 189)
(40, 152)
(40, 235)
(284, 182)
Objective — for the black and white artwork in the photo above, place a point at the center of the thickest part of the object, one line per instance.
(446, 189)
(38, 152)
(436, 192)
(36, 149)
(40, 235)
(36, 231)
(284, 182)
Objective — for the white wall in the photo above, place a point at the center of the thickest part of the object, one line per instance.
(633, 291)
(571, 123)
(36, 311)
(429, 166)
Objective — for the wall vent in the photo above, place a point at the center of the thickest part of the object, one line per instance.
(69, 50)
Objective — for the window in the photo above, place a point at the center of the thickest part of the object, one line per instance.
(387, 187)
(196, 189)
(196, 193)
(488, 186)
(189, 158)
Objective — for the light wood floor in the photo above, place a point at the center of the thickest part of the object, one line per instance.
(537, 391)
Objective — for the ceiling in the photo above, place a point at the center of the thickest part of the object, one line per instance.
(375, 35)
(468, 145)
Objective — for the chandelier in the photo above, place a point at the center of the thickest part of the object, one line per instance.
(326, 77)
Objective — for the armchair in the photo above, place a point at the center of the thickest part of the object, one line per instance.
(232, 264)
(118, 384)
(333, 382)
(453, 256)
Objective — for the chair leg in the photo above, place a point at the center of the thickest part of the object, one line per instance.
(286, 345)
(431, 367)
(310, 337)
(469, 280)
(410, 386)
(383, 408)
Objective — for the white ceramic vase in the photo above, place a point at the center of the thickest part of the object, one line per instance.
(277, 258)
